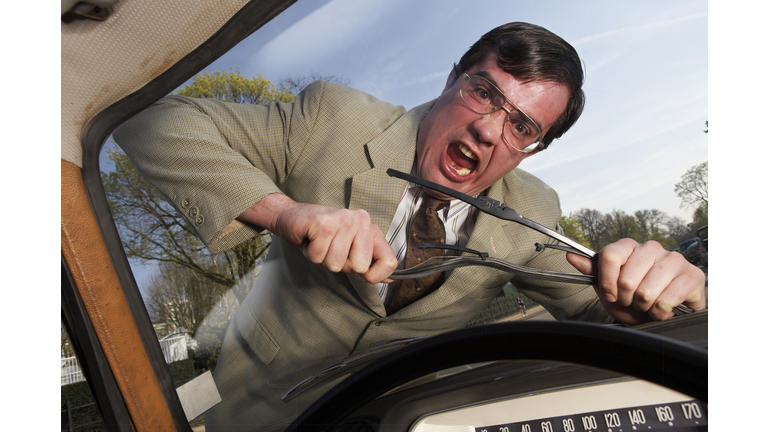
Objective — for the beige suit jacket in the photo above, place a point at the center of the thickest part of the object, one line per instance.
(332, 146)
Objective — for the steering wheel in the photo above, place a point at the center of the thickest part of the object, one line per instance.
(672, 364)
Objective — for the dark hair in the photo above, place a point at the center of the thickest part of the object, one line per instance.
(532, 53)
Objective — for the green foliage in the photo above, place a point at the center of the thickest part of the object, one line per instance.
(700, 216)
(209, 347)
(645, 225)
(83, 413)
(572, 229)
(621, 225)
(679, 231)
(592, 223)
(77, 394)
(233, 87)
(182, 370)
(651, 225)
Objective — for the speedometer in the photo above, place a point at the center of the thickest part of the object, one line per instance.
(611, 407)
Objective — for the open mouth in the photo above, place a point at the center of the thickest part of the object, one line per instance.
(461, 158)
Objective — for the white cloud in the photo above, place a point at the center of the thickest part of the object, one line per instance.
(639, 29)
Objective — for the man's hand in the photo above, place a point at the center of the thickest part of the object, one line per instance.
(342, 240)
(642, 282)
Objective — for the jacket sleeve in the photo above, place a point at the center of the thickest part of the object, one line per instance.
(212, 160)
(565, 301)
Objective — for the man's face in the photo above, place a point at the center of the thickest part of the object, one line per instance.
(465, 151)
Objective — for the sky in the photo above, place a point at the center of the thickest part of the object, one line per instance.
(646, 79)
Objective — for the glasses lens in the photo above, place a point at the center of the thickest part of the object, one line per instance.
(481, 96)
(521, 132)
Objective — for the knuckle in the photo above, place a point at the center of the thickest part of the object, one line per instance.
(626, 284)
(644, 296)
(391, 262)
(611, 256)
(652, 244)
(660, 311)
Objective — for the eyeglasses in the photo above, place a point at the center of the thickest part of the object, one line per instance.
(483, 97)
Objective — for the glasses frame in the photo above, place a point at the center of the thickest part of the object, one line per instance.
(527, 149)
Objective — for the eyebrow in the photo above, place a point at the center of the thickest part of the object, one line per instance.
(488, 76)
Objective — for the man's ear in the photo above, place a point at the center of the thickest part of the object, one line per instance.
(452, 77)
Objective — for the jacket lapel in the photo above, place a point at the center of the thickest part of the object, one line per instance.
(379, 194)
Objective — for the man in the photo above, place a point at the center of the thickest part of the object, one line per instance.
(313, 173)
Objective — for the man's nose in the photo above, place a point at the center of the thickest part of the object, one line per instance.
(490, 126)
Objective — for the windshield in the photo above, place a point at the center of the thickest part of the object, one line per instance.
(617, 173)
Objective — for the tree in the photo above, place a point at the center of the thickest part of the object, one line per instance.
(592, 223)
(700, 216)
(651, 226)
(295, 84)
(182, 298)
(678, 229)
(621, 225)
(150, 228)
(572, 229)
(692, 188)
(233, 87)
(152, 231)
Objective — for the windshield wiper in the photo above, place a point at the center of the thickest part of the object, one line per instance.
(501, 211)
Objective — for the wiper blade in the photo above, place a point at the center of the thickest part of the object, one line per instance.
(499, 210)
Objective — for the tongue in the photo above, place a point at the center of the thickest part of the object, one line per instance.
(459, 159)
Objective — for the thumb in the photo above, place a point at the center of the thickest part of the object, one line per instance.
(583, 264)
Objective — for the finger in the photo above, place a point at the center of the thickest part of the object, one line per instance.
(361, 250)
(640, 271)
(337, 256)
(581, 263)
(686, 285)
(610, 261)
(385, 261)
(319, 240)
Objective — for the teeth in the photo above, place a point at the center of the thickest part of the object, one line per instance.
(463, 171)
(467, 152)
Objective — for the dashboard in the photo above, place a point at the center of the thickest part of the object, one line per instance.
(540, 396)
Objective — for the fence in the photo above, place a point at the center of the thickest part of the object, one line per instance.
(174, 349)
(70, 371)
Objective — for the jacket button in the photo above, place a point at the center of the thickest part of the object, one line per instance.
(199, 220)
(186, 203)
(193, 211)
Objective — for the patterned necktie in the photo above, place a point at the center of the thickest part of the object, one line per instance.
(426, 227)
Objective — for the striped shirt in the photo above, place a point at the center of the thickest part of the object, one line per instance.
(458, 219)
